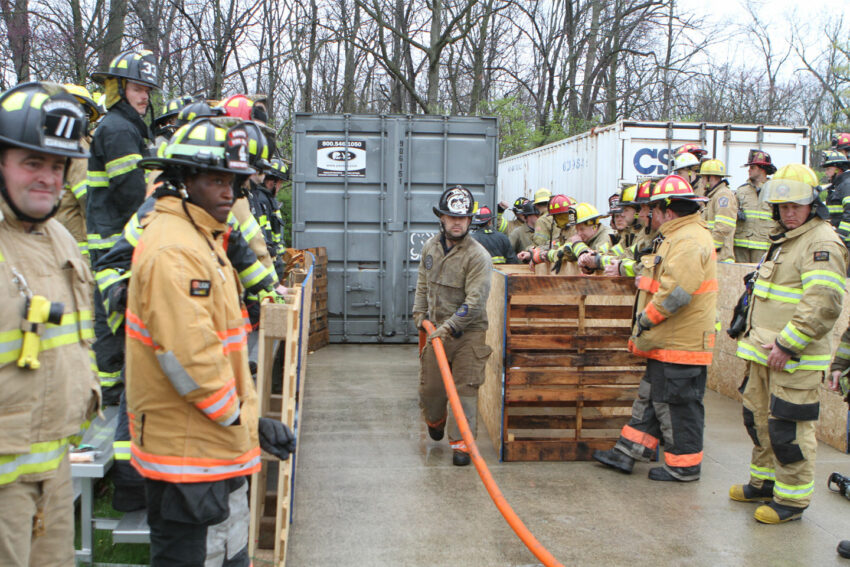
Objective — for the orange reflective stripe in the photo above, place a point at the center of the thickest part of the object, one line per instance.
(639, 437)
(136, 329)
(647, 284)
(228, 390)
(706, 287)
(654, 314)
(193, 469)
(690, 460)
(700, 358)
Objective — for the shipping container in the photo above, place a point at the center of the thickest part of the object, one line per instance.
(364, 187)
(594, 165)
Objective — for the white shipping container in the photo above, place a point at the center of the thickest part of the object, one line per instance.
(592, 166)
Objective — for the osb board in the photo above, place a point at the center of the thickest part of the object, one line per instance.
(727, 370)
(490, 393)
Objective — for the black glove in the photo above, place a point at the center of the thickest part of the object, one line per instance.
(742, 216)
(118, 297)
(276, 438)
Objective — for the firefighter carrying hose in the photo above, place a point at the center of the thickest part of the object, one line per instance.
(795, 302)
(191, 402)
(451, 292)
(49, 388)
(674, 330)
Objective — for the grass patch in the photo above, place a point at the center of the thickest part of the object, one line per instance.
(104, 550)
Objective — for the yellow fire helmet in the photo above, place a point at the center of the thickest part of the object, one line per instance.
(792, 183)
(542, 195)
(587, 213)
(713, 167)
(94, 109)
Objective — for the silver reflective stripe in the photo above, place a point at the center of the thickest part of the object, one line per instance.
(232, 419)
(677, 299)
(194, 470)
(226, 399)
(32, 459)
(180, 379)
(235, 339)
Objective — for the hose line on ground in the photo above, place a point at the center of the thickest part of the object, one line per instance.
(507, 512)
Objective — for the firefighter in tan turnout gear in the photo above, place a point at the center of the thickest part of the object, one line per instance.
(191, 403)
(48, 387)
(795, 302)
(451, 292)
(721, 210)
(755, 215)
(674, 330)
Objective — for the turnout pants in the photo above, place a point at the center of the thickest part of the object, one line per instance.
(129, 494)
(467, 357)
(202, 524)
(669, 409)
(780, 412)
(37, 521)
(748, 255)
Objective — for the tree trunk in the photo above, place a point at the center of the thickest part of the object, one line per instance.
(311, 57)
(78, 45)
(668, 59)
(16, 18)
(114, 33)
(348, 88)
(433, 54)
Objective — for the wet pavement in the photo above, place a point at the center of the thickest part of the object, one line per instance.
(372, 489)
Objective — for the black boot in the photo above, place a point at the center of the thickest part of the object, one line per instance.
(749, 493)
(460, 458)
(438, 430)
(662, 474)
(773, 513)
(844, 548)
(615, 459)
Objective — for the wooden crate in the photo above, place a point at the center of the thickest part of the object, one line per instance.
(569, 380)
(284, 327)
(319, 306)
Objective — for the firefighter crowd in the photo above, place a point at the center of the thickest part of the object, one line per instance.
(133, 263)
(669, 234)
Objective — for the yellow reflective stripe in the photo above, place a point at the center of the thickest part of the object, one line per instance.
(108, 277)
(628, 266)
(758, 214)
(795, 337)
(817, 362)
(122, 165)
(498, 259)
(14, 101)
(133, 230)
(835, 209)
(843, 351)
(754, 244)
(762, 472)
(79, 190)
(42, 457)
(114, 321)
(785, 294)
(83, 246)
(249, 228)
(97, 179)
(100, 242)
(503, 224)
(794, 491)
(725, 220)
(121, 450)
(823, 277)
(253, 274)
(72, 328)
(845, 200)
(710, 224)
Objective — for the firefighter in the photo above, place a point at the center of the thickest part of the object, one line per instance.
(552, 229)
(164, 125)
(496, 243)
(521, 236)
(451, 292)
(116, 186)
(49, 388)
(72, 206)
(836, 166)
(795, 302)
(190, 399)
(701, 154)
(687, 165)
(841, 142)
(722, 208)
(590, 235)
(276, 173)
(755, 217)
(508, 226)
(674, 330)
(541, 201)
(624, 218)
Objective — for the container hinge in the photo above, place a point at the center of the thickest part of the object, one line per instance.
(395, 226)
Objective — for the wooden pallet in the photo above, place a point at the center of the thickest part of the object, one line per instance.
(569, 380)
(284, 327)
(319, 335)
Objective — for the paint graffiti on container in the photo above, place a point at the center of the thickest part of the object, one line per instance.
(652, 161)
(417, 241)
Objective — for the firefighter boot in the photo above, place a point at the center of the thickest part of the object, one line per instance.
(460, 454)
(773, 513)
(437, 430)
(615, 459)
(844, 548)
(749, 493)
(662, 474)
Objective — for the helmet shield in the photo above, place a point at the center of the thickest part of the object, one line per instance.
(456, 202)
(777, 191)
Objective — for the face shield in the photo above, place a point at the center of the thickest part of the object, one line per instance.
(777, 191)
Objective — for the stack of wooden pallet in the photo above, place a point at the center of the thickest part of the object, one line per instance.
(319, 308)
(286, 327)
(568, 377)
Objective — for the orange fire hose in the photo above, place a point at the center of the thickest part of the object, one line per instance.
(510, 516)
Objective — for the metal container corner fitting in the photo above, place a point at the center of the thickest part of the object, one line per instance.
(364, 187)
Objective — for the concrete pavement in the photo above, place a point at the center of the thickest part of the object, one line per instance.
(372, 489)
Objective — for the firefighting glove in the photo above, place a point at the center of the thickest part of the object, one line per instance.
(276, 438)
(117, 298)
(742, 216)
(442, 332)
(418, 318)
(643, 323)
(270, 296)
